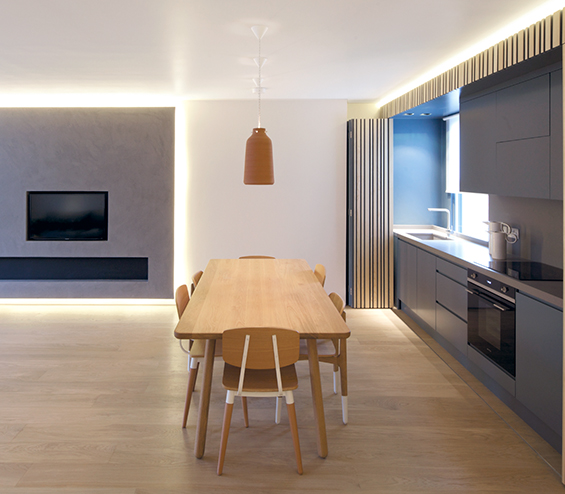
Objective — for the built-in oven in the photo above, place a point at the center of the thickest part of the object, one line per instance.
(491, 320)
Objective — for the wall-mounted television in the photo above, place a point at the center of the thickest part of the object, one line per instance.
(67, 215)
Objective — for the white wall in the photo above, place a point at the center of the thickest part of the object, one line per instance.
(302, 216)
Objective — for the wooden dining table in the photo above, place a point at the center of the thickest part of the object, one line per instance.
(280, 293)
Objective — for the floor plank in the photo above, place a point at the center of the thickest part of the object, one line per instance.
(91, 401)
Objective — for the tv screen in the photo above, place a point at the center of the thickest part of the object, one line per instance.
(67, 215)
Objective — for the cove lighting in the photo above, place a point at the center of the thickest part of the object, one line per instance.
(86, 301)
(98, 100)
(541, 12)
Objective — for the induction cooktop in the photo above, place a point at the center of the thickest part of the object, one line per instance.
(527, 270)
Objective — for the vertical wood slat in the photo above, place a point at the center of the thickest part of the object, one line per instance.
(534, 40)
(372, 232)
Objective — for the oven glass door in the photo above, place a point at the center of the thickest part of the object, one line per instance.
(492, 328)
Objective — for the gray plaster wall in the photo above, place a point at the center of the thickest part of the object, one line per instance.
(128, 152)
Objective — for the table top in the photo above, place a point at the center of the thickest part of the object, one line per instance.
(282, 293)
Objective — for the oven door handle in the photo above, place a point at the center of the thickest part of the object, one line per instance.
(486, 299)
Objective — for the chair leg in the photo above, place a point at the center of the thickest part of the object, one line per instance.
(278, 410)
(190, 388)
(245, 411)
(344, 409)
(225, 431)
(343, 379)
(336, 379)
(294, 430)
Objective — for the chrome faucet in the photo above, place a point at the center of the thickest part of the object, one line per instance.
(444, 210)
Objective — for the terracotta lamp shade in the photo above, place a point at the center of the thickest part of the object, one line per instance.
(259, 159)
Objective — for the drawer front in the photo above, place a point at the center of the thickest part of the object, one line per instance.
(452, 271)
(451, 295)
(451, 328)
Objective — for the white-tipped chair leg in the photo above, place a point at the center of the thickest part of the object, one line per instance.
(336, 381)
(278, 410)
(344, 409)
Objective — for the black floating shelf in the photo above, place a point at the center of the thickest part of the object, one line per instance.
(74, 268)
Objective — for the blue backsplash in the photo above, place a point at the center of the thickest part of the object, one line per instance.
(419, 171)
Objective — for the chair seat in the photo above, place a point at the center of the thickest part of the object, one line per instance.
(198, 347)
(264, 380)
(326, 348)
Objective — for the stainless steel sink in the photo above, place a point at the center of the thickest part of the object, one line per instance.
(429, 236)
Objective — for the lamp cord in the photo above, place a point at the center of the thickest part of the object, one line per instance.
(260, 88)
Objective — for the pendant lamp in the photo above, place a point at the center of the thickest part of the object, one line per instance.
(259, 147)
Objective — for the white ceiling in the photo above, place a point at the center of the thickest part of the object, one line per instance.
(202, 49)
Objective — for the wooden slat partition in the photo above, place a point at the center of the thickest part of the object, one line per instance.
(371, 203)
(536, 39)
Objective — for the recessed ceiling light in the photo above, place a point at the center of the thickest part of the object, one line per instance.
(427, 114)
(408, 114)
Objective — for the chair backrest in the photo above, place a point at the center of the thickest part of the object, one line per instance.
(260, 353)
(320, 272)
(181, 299)
(195, 279)
(339, 303)
(257, 257)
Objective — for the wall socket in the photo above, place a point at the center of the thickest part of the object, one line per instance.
(515, 232)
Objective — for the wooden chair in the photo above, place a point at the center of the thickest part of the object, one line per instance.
(195, 349)
(256, 257)
(195, 279)
(260, 362)
(320, 272)
(333, 352)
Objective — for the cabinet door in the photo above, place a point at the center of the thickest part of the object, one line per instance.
(522, 110)
(407, 262)
(556, 169)
(478, 145)
(539, 359)
(522, 168)
(426, 307)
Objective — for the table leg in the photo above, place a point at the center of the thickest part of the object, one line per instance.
(202, 425)
(317, 398)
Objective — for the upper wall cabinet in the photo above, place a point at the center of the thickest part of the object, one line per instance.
(512, 138)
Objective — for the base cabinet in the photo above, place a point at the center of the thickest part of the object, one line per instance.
(426, 288)
(539, 359)
(453, 329)
(433, 292)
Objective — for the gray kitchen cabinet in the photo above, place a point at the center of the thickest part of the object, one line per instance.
(539, 359)
(556, 148)
(451, 328)
(415, 280)
(512, 139)
(522, 168)
(522, 110)
(451, 304)
(478, 147)
(452, 295)
(426, 283)
(406, 288)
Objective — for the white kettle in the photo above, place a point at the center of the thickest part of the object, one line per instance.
(499, 235)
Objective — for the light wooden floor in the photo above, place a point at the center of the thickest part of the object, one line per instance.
(91, 402)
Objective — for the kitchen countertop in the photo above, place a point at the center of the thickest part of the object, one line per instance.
(468, 254)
